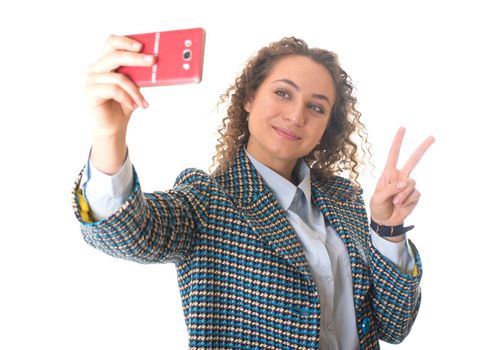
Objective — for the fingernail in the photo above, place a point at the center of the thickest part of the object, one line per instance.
(396, 201)
(145, 104)
(137, 46)
(401, 184)
(148, 58)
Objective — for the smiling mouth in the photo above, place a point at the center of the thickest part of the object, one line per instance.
(286, 134)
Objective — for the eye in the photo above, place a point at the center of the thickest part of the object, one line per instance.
(317, 108)
(282, 93)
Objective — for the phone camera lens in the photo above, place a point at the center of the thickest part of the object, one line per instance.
(187, 54)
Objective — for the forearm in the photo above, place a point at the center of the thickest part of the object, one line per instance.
(104, 193)
(395, 296)
(150, 227)
(108, 151)
(399, 253)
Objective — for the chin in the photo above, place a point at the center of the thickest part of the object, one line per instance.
(287, 155)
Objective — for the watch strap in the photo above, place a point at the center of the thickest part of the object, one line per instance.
(390, 231)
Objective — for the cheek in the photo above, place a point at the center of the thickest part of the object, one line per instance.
(266, 107)
(256, 125)
(262, 114)
(319, 129)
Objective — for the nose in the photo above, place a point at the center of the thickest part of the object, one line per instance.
(295, 114)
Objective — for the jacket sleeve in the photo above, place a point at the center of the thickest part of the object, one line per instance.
(153, 227)
(395, 296)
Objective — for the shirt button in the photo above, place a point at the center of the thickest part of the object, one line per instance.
(365, 325)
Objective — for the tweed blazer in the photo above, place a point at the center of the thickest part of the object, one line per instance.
(243, 276)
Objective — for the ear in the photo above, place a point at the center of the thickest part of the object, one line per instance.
(247, 104)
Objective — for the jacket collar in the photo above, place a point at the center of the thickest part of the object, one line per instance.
(245, 184)
(336, 199)
(264, 213)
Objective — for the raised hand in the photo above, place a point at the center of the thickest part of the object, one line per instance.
(395, 195)
(111, 99)
(112, 96)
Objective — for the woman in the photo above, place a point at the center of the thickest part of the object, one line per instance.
(273, 250)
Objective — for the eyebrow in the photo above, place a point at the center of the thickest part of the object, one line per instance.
(296, 87)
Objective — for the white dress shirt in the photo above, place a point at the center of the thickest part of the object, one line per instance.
(325, 252)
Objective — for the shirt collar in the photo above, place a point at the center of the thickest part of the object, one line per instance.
(283, 189)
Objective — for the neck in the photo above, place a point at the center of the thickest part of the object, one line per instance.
(284, 168)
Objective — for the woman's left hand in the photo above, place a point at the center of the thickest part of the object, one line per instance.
(395, 195)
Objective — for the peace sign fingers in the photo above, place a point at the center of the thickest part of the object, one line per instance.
(395, 195)
(394, 153)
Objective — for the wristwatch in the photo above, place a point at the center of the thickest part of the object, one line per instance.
(390, 231)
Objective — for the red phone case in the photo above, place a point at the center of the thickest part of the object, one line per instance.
(179, 54)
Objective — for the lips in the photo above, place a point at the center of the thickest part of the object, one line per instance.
(286, 134)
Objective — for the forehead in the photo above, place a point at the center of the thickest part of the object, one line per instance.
(310, 76)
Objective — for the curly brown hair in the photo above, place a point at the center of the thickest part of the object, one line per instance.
(336, 153)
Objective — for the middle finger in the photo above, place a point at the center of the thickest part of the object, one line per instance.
(417, 155)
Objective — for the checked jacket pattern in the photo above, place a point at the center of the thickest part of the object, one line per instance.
(242, 273)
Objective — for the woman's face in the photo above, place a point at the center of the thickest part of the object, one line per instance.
(289, 112)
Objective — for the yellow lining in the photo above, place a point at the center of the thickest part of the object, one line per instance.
(83, 206)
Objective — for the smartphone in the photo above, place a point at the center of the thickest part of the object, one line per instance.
(179, 56)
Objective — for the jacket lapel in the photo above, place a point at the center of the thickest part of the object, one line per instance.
(342, 211)
(264, 213)
(268, 220)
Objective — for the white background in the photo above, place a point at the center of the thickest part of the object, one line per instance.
(415, 64)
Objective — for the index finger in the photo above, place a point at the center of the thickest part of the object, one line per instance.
(117, 42)
(392, 160)
(417, 155)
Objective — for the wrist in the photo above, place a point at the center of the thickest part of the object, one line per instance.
(119, 131)
(394, 233)
(395, 239)
(108, 153)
